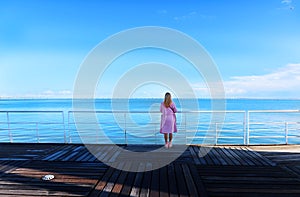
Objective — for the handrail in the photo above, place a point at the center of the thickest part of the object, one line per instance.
(239, 127)
(284, 130)
(15, 128)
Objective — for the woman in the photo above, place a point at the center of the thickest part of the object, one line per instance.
(168, 119)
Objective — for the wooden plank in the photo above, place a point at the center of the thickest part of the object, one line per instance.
(111, 183)
(114, 155)
(204, 151)
(70, 156)
(189, 180)
(109, 154)
(135, 191)
(172, 181)
(120, 181)
(213, 157)
(197, 180)
(256, 160)
(194, 155)
(9, 166)
(182, 188)
(68, 150)
(201, 159)
(235, 180)
(105, 151)
(83, 156)
(218, 156)
(230, 156)
(102, 183)
(224, 157)
(129, 181)
(163, 179)
(155, 182)
(243, 156)
(262, 158)
(55, 155)
(236, 156)
(145, 191)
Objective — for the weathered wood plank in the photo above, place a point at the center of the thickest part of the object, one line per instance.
(228, 155)
(164, 185)
(198, 182)
(194, 156)
(110, 185)
(189, 181)
(128, 184)
(102, 183)
(135, 191)
(155, 182)
(181, 183)
(218, 156)
(172, 181)
(145, 190)
(120, 182)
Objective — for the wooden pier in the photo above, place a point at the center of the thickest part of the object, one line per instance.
(199, 171)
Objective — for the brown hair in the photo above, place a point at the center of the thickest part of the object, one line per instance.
(168, 99)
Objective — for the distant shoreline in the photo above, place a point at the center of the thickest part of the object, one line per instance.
(4, 98)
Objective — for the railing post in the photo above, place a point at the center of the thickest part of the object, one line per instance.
(69, 132)
(185, 132)
(64, 127)
(216, 133)
(125, 128)
(248, 127)
(286, 132)
(8, 127)
(245, 128)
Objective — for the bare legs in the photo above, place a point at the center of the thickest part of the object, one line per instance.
(168, 144)
(170, 137)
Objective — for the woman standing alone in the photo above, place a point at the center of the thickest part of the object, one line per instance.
(168, 119)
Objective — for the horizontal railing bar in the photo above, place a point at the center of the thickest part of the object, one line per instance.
(128, 112)
(220, 128)
(280, 136)
(258, 123)
(40, 123)
(209, 137)
(31, 111)
(274, 111)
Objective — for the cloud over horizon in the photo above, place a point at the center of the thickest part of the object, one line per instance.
(283, 80)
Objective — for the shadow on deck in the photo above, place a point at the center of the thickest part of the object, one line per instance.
(199, 171)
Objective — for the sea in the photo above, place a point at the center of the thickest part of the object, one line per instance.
(137, 121)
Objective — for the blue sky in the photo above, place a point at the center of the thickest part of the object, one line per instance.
(255, 44)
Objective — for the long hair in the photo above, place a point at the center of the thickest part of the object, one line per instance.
(168, 99)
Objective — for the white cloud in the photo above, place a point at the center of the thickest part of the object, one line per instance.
(288, 5)
(184, 17)
(283, 82)
(45, 94)
(286, 1)
(55, 94)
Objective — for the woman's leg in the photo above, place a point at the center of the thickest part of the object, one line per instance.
(170, 140)
(166, 137)
(170, 137)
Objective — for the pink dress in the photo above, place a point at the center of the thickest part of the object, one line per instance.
(168, 118)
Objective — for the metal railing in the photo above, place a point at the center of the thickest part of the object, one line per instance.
(271, 127)
(142, 127)
(32, 126)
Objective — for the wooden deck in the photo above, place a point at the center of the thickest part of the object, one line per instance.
(199, 171)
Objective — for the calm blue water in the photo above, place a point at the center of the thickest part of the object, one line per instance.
(141, 126)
